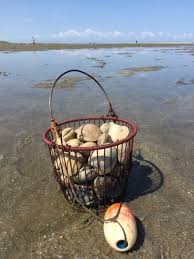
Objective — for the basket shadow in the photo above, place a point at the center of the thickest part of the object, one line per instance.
(145, 177)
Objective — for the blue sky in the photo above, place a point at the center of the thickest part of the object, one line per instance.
(97, 20)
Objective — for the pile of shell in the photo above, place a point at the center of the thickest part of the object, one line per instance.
(95, 174)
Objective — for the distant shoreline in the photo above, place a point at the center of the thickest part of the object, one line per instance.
(6, 46)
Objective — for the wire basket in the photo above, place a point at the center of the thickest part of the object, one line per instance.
(90, 175)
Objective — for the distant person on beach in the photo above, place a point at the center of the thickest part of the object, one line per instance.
(33, 40)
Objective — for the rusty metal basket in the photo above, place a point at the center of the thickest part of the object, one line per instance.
(104, 175)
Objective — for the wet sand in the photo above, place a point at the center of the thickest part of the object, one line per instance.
(35, 219)
(67, 82)
(133, 70)
(6, 46)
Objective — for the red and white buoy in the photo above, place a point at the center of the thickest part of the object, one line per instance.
(121, 233)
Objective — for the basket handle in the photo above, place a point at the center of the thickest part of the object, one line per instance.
(111, 112)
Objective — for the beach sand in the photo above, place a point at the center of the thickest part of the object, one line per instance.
(6, 46)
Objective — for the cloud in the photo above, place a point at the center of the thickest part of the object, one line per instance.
(89, 34)
(147, 34)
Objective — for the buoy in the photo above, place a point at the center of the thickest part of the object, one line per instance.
(121, 232)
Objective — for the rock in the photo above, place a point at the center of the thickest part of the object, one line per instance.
(117, 132)
(106, 126)
(104, 138)
(104, 160)
(85, 175)
(87, 144)
(69, 163)
(123, 153)
(73, 142)
(88, 133)
(67, 134)
(104, 186)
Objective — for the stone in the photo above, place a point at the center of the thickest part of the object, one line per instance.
(69, 163)
(117, 132)
(73, 142)
(88, 133)
(106, 126)
(104, 160)
(86, 174)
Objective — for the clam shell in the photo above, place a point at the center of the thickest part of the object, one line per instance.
(87, 144)
(118, 170)
(73, 142)
(88, 133)
(123, 153)
(117, 132)
(68, 164)
(102, 139)
(85, 195)
(104, 186)
(104, 160)
(85, 175)
(67, 134)
(106, 126)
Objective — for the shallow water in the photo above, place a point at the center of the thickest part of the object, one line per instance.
(163, 111)
(149, 98)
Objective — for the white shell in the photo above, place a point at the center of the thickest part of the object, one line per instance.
(69, 164)
(106, 126)
(88, 133)
(117, 132)
(104, 160)
(114, 233)
(85, 175)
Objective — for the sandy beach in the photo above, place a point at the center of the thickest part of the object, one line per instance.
(8, 46)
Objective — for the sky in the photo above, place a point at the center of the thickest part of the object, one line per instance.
(100, 21)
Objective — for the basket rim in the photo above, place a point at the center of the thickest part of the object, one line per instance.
(133, 126)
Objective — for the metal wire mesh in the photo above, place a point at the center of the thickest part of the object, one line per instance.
(103, 180)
